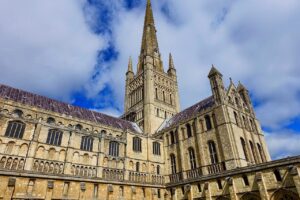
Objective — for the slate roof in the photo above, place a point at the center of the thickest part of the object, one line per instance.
(188, 113)
(48, 104)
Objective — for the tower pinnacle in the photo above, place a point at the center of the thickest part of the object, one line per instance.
(149, 40)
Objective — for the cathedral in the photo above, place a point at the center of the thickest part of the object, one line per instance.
(213, 150)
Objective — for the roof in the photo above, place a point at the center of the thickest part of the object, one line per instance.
(59, 107)
(188, 113)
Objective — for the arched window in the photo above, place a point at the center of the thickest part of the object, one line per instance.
(244, 149)
(171, 101)
(173, 163)
(213, 152)
(164, 97)
(54, 137)
(15, 129)
(18, 113)
(237, 101)
(277, 175)
(252, 125)
(245, 122)
(78, 127)
(173, 137)
(252, 150)
(245, 179)
(260, 150)
(137, 144)
(157, 112)
(236, 118)
(192, 158)
(114, 149)
(208, 122)
(158, 169)
(156, 93)
(137, 167)
(86, 143)
(50, 120)
(156, 148)
(188, 130)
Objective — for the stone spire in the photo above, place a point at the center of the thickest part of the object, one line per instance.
(171, 62)
(129, 73)
(149, 40)
(130, 65)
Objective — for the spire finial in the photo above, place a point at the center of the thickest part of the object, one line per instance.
(171, 62)
(130, 69)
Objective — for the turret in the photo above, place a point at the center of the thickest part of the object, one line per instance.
(129, 73)
(171, 70)
(244, 93)
(217, 85)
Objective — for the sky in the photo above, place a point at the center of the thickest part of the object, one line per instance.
(77, 51)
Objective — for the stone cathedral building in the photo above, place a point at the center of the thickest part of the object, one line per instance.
(213, 150)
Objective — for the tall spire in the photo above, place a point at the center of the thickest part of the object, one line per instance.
(149, 41)
(130, 65)
(171, 62)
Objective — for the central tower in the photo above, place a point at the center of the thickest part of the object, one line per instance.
(151, 95)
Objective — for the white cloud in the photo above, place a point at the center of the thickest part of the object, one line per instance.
(253, 41)
(283, 143)
(46, 46)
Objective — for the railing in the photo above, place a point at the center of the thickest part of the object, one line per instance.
(194, 173)
(174, 178)
(216, 168)
(140, 177)
(12, 162)
(48, 166)
(84, 170)
(113, 174)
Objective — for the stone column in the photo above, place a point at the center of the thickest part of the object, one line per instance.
(49, 191)
(262, 186)
(294, 171)
(232, 188)
(207, 191)
(9, 193)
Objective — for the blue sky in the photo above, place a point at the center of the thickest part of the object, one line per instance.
(77, 51)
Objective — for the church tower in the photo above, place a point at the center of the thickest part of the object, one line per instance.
(151, 95)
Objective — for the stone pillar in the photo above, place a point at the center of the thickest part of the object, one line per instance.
(9, 193)
(154, 194)
(232, 189)
(189, 191)
(262, 186)
(49, 191)
(173, 194)
(294, 171)
(207, 191)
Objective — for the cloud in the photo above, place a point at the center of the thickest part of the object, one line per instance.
(283, 143)
(47, 47)
(254, 41)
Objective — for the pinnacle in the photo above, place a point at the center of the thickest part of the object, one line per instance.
(130, 69)
(171, 62)
(214, 71)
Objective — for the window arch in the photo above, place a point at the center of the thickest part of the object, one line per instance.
(171, 101)
(260, 150)
(114, 148)
(86, 143)
(137, 166)
(156, 148)
(173, 137)
(18, 113)
(188, 130)
(213, 152)
(208, 122)
(78, 127)
(277, 175)
(252, 150)
(236, 118)
(50, 120)
(54, 137)
(15, 129)
(156, 93)
(192, 158)
(173, 163)
(244, 149)
(137, 144)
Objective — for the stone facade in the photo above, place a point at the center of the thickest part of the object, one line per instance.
(213, 150)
